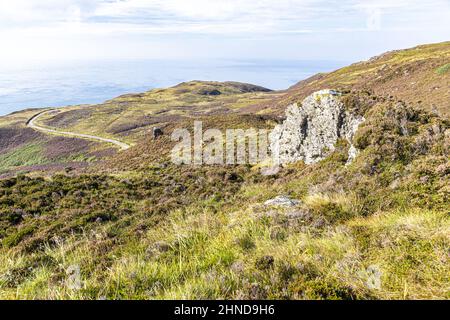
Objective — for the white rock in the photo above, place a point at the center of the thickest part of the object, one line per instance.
(311, 131)
(352, 153)
(270, 171)
(282, 201)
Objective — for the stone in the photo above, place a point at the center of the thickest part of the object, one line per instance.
(352, 153)
(282, 201)
(424, 179)
(156, 132)
(270, 171)
(395, 184)
(310, 131)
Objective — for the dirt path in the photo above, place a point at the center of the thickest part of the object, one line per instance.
(31, 123)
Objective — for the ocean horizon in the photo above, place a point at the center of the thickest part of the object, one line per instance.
(89, 82)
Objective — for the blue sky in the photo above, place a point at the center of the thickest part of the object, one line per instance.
(347, 30)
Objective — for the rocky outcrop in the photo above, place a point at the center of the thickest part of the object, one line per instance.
(310, 131)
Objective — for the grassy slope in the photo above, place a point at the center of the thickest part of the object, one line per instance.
(140, 227)
(130, 116)
(182, 232)
(417, 76)
(24, 150)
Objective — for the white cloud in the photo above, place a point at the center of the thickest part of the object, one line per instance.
(162, 16)
(30, 12)
(206, 9)
(212, 16)
(55, 28)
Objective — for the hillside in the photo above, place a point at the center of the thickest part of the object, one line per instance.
(418, 76)
(128, 118)
(23, 149)
(133, 225)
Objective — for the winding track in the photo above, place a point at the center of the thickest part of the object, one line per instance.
(31, 124)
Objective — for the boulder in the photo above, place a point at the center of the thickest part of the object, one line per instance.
(156, 132)
(310, 131)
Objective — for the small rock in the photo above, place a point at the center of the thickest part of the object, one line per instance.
(157, 132)
(282, 201)
(424, 179)
(436, 129)
(443, 169)
(352, 153)
(270, 171)
(394, 185)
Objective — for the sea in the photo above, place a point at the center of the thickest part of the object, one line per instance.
(58, 84)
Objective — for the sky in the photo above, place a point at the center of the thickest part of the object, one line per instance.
(347, 30)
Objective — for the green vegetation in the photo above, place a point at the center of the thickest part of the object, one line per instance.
(414, 75)
(29, 154)
(444, 69)
(45, 152)
(136, 226)
(204, 233)
(131, 116)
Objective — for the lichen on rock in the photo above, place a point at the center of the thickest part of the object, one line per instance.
(310, 131)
